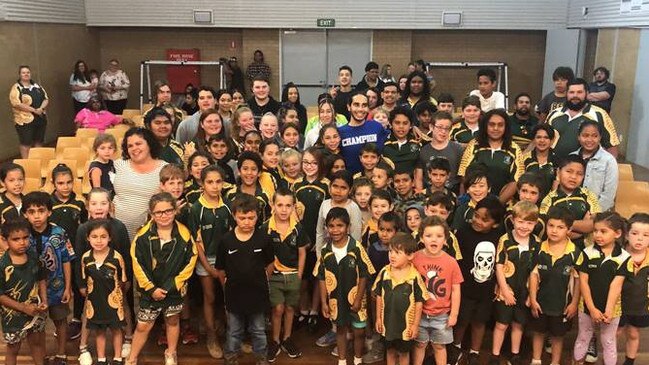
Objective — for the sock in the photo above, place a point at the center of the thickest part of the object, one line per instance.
(61, 357)
(75, 320)
(313, 313)
(342, 362)
(358, 360)
(83, 348)
(458, 345)
(100, 359)
(304, 312)
(472, 351)
(334, 327)
(535, 362)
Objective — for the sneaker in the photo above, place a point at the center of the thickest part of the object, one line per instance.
(515, 359)
(291, 350)
(474, 359)
(328, 339)
(334, 351)
(74, 330)
(246, 347)
(231, 359)
(312, 322)
(117, 362)
(376, 353)
(162, 338)
(126, 349)
(273, 351)
(189, 336)
(300, 320)
(101, 362)
(262, 361)
(548, 346)
(453, 354)
(58, 361)
(591, 354)
(85, 358)
(213, 347)
(494, 360)
(171, 359)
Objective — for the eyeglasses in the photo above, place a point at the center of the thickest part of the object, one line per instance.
(161, 213)
(445, 129)
(309, 163)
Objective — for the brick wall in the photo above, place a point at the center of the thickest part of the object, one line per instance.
(266, 40)
(393, 47)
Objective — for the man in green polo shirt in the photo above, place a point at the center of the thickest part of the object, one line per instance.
(522, 121)
(566, 121)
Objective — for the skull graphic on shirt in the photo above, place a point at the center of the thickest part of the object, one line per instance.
(484, 258)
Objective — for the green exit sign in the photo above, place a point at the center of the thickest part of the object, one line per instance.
(326, 22)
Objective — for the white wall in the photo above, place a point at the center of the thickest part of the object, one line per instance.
(43, 11)
(638, 148)
(561, 49)
(365, 14)
(604, 14)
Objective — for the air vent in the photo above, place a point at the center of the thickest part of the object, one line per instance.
(452, 18)
(203, 16)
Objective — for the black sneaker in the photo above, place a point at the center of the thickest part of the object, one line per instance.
(591, 354)
(74, 330)
(474, 359)
(102, 362)
(453, 354)
(494, 360)
(117, 362)
(515, 359)
(312, 323)
(291, 350)
(273, 351)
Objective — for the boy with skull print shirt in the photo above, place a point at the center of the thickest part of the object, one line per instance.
(478, 243)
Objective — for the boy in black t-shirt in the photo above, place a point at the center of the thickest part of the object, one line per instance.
(245, 259)
(478, 249)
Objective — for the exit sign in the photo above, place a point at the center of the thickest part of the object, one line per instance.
(326, 22)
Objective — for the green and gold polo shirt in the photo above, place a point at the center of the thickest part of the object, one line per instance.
(404, 155)
(579, 202)
(567, 129)
(547, 171)
(7, 209)
(522, 129)
(105, 298)
(311, 195)
(460, 133)
(517, 264)
(341, 281)
(19, 282)
(400, 297)
(286, 247)
(263, 202)
(504, 166)
(370, 233)
(192, 191)
(463, 214)
(208, 223)
(556, 275)
(173, 152)
(635, 295)
(601, 270)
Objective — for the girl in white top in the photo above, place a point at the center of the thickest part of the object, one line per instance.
(82, 85)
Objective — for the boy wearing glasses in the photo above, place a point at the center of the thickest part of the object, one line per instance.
(440, 146)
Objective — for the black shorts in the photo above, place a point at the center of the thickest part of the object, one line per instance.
(309, 265)
(400, 346)
(554, 326)
(31, 133)
(635, 321)
(518, 313)
(475, 310)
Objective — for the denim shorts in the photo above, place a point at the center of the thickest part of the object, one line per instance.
(434, 329)
(200, 270)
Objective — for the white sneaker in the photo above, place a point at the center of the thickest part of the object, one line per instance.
(171, 359)
(85, 358)
(126, 350)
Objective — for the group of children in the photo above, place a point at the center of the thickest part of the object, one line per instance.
(390, 265)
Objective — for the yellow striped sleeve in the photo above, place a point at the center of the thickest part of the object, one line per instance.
(467, 158)
(547, 203)
(592, 201)
(140, 275)
(610, 128)
(519, 163)
(188, 270)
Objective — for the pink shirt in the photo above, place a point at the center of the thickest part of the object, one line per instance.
(101, 120)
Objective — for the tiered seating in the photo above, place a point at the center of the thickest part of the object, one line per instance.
(632, 196)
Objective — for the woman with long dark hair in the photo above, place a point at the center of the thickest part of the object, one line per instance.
(81, 85)
(417, 90)
(291, 94)
(493, 147)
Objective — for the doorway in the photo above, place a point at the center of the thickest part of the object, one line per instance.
(311, 58)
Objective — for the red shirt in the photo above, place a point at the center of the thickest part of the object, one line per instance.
(439, 274)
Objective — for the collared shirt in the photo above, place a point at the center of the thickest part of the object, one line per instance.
(370, 232)
(69, 214)
(504, 165)
(635, 295)
(33, 95)
(463, 215)
(461, 133)
(517, 264)
(311, 195)
(601, 270)
(19, 282)
(403, 156)
(556, 275)
(286, 247)
(118, 79)
(7, 208)
(105, 298)
(54, 249)
(547, 171)
(522, 129)
(579, 202)
(173, 152)
(192, 190)
(568, 128)
(400, 297)
(601, 177)
(208, 223)
(263, 202)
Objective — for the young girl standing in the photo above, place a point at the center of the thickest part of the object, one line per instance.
(197, 162)
(103, 274)
(343, 270)
(601, 275)
(102, 169)
(12, 176)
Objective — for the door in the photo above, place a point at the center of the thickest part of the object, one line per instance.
(311, 58)
(179, 76)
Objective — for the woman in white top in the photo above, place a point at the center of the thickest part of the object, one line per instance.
(137, 177)
(114, 84)
(82, 86)
(326, 115)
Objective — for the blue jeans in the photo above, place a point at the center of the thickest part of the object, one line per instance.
(237, 325)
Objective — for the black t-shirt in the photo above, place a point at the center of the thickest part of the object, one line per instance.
(341, 101)
(478, 263)
(549, 103)
(609, 88)
(244, 263)
(259, 110)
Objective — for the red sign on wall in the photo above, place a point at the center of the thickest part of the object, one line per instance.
(180, 76)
